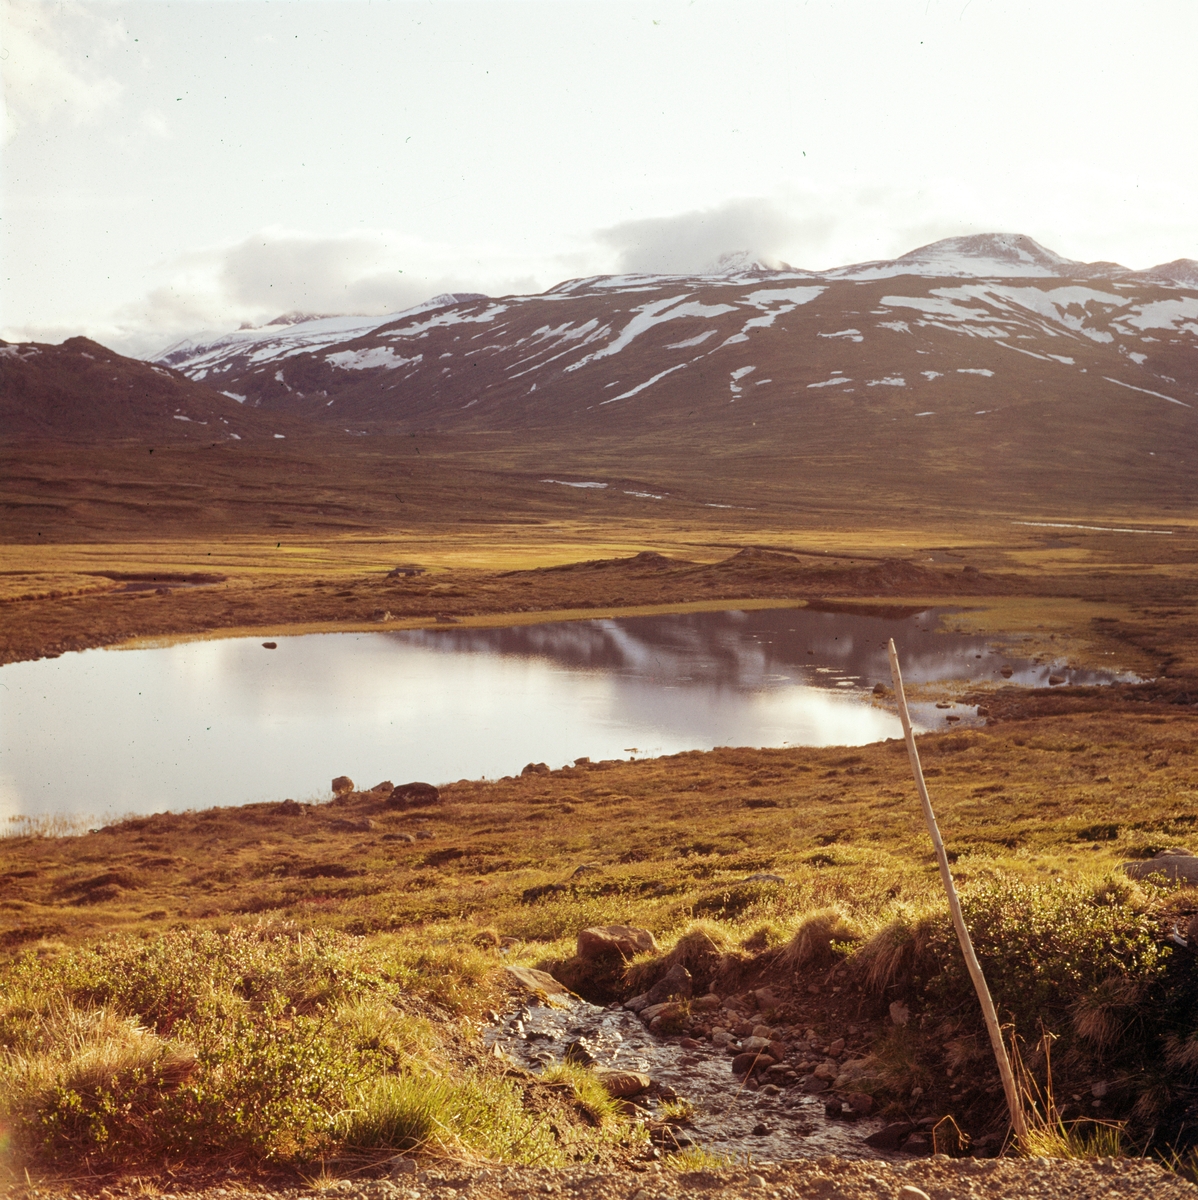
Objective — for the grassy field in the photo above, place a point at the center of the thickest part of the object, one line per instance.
(272, 987)
(142, 957)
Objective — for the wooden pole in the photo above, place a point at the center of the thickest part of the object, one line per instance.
(1014, 1104)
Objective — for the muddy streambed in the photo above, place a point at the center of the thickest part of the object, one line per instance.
(745, 1121)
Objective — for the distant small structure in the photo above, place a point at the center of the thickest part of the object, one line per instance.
(405, 569)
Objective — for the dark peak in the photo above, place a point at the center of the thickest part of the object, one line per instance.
(84, 345)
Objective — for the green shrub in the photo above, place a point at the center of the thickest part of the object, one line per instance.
(1042, 947)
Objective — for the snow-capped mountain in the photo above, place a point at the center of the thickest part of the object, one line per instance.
(974, 324)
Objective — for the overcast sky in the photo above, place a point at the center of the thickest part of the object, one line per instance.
(170, 167)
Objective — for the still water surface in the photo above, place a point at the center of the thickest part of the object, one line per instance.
(107, 732)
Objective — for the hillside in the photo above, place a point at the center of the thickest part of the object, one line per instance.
(993, 326)
(81, 391)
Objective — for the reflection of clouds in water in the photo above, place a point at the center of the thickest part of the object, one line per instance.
(746, 651)
(227, 722)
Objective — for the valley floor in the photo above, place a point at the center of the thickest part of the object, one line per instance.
(379, 933)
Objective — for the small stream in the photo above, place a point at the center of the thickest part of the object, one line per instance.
(769, 1124)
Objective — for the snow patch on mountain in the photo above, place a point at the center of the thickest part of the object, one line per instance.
(371, 357)
(1164, 314)
(640, 387)
(647, 316)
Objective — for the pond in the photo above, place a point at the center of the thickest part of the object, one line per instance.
(108, 732)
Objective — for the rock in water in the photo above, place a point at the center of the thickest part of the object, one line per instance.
(891, 1137)
(539, 983)
(619, 1085)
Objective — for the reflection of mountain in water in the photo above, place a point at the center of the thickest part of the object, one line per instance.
(750, 651)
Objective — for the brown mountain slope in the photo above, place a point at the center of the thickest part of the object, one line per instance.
(988, 364)
(82, 391)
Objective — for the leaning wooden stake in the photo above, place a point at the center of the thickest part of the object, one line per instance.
(1014, 1104)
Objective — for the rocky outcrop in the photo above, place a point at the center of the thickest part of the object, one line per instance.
(1177, 865)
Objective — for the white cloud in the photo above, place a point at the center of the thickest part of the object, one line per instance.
(695, 241)
(47, 74)
(277, 271)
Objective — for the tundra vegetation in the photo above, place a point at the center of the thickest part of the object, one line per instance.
(273, 987)
(278, 985)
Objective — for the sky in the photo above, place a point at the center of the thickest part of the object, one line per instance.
(178, 166)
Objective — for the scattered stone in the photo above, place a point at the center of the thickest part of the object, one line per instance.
(708, 1003)
(402, 1166)
(754, 1044)
(756, 1181)
(1175, 864)
(357, 825)
(383, 789)
(585, 869)
(879, 689)
(424, 835)
(890, 1137)
(413, 795)
(900, 1014)
(861, 1103)
(651, 1012)
(1055, 680)
(836, 1049)
(766, 1000)
(689, 1043)
(813, 1085)
(742, 1064)
(675, 982)
(342, 786)
(536, 769)
(763, 877)
(637, 1003)
(1006, 672)
(609, 941)
(539, 983)
(910, 1192)
(619, 1085)
(289, 808)
(578, 1054)
(776, 1050)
